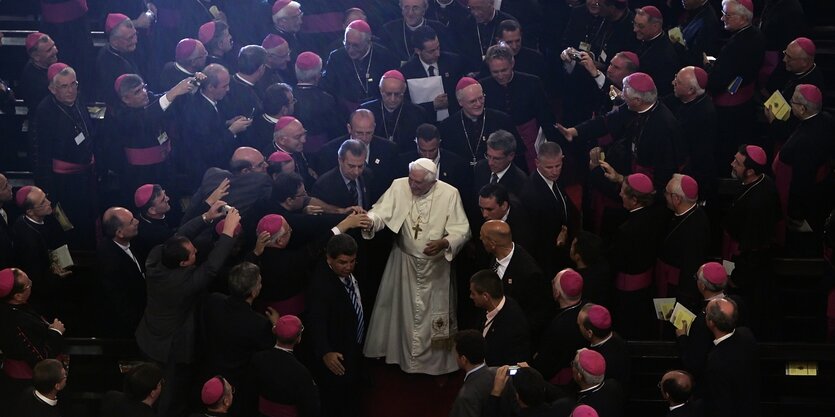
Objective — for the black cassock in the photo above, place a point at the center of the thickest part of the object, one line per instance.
(241, 100)
(355, 82)
(683, 249)
(698, 130)
(320, 114)
(32, 87)
(660, 60)
(398, 126)
(468, 138)
(110, 64)
(171, 75)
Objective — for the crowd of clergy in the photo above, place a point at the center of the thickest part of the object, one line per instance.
(281, 193)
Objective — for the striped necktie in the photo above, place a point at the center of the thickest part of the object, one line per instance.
(349, 286)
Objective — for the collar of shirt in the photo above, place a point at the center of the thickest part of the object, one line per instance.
(636, 209)
(673, 407)
(33, 220)
(655, 37)
(426, 66)
(4, 215)
(548, 182)
(686, 211)
(648, 108)
(183, 70)
(270, 119)
(414, 28)
(602, 341)
(244, 81)
(124, 247)
(473, 370)
(592, 388)
(51, 402)
(212, 102)
(437, 161)
(504, 219)
(347, 180)
(278, 148)
(805, 73)
(723, 338)
(504, 262)
(501, 173)
(492, 314)
(284, 349)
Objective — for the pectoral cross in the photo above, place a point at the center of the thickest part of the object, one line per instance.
(417, 229)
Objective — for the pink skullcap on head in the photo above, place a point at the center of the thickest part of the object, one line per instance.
(689, 187)
(22, 193)
(280, 156)
(810, 93)
(632, 57)
(185, 48)
(219, 228)
(118, 82)
(283, 121)
(583, 410)
(640, 183)
(280, 4)
(360, 26)
(592, 362)
(287, 326)
(54, 69)
(307, 60)
(653, 12)
(715, 273)
(270, 223)
(397, 75)
(640, 82)
(212, 391)
(206, 32)
(6, 282)
(747, 4)
(272, 41)
(805, 44)
(143, 195)
(465, 82)
(113, 20)
(571, 282)
(599, 317)
(756, 154)
(33, 39)
(701, 77)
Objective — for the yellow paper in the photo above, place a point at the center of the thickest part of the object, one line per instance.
(778, 106)
(676, 36)
(682, 318)
(802, 368)
(62, 218)
(663, 307)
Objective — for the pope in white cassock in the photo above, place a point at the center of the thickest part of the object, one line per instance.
(414, 315)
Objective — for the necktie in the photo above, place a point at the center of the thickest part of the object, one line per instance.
(494, 178)
(352, 189)
(349, 286)
(495, 265)
(431, 70)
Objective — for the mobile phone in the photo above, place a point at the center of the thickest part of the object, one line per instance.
(511, 370)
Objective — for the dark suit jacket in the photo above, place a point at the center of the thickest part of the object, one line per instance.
(123, 287)
(524, 281)
(514, 179)
(282, 379)
(331, 188)
(474, 394)
(398, 39)
(241, 100)
(28, 405)
(659, 59)
(732, 377)
(449, 67)
(551, 215)
(692, 408)
(508, 339)
(166, 332)
(401, 124)
(382, 161)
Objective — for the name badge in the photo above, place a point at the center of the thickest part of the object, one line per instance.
(585, 46)
(79, 138)
(603, 56)
(162, 138)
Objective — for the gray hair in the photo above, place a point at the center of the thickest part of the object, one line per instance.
(310, 75)
(353, 146)
(502, 140)
(649, 97)
(691, 80)
(213, 72)
(676, 188)
(736, 7)
(813, 108)
(243, 278)
(587, 377)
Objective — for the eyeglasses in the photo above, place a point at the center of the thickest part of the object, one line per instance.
(393, 95)
(69, 86)
(293, 17)
(407, 9)
(477, 100)
(494, 158)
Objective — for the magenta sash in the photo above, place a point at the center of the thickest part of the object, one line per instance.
(293, 305)
(730, 247)
(528, 131)
(148, 156)
(322, 23)
(274, 409)
(633, 282)
(63, 12)
(64, 167)
(743, 94)
(665, 275)
(17, 369)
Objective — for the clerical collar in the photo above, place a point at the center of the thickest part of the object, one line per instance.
(591, 388)
(755, 182)
(414, 28)
(33, 220)
(695, 99)
(444, 5)
(482, 365)
(723, 338)
(183, 70)
(648, 108)
(270, 119)
(49, 401)
(805, 73)
(241, 79)
(741, 29)
(603, 341)
(284, 349)
(151, 220)
(655, 37)
(370, 46)
(279, 148)
(693, 207)
(809, 117)
(673, 407)
(212, 102)
(636, 209)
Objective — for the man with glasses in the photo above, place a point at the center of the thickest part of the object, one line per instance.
(466, 131)
(279, 63)
(479, 31)
(287, 18)
(49, 378)
(398, 118)
(658, 57)
(290, 136)
(398, 33)
(497, 166)
(117, 57)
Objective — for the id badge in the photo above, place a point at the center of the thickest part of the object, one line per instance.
(603, 56)
(79, 138)
(585, 46)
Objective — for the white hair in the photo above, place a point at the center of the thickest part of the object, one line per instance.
(691, 80)
(648, 97)
(286, 10)
(675, 184)
(737, 8)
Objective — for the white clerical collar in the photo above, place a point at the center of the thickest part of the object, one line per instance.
(809, 117)
(284, 349)
(414, 28)
(655, 37)
(647, 109)
(270, 119)
(370, 45)
(636, 209)
(33, 220)
(805, 73)
(603, 341)
(506, 261)
(49, 401)
(547, 181)
(506, 215)
(182, 69)
(591, 388)
(124, 247)
(686, 211)
(723, 338)
(241, 79)
(673, 407)
(213, 103)
(444, 5)
(482, 365)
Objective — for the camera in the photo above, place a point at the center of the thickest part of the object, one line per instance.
(511, 370)
(225, 209)
(195, 82)
(575, 56)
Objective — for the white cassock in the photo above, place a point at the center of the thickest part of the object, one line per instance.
(416, 300)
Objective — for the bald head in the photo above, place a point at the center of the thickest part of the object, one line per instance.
(721, 316)
(119, 224)
(498, 231)
(676, 386)
(796, 59)
(246, 159)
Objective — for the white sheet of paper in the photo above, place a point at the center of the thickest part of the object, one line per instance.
(424, 90)
(80, 138)
(729, 266)
(62, 257)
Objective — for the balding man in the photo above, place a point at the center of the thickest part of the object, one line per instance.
(117, 58)
(695, 112)
(189, 57)
(209, 138)
(352, 72)
(33, 85)
(479, 31)
(398, 33)
(733, 76)
(656, 52)
(382, 154)
(677, 390)
(732, 373)
(243, 98)
(397, 119)
(121, 276)
(316, 108)
(465, 132)
(520, 275)
(64, 143)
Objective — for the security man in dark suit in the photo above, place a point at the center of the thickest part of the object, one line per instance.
(505, 328)
(677, 389)
(498, 167)
(452, 169)
(121, 276)
(347, 185)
